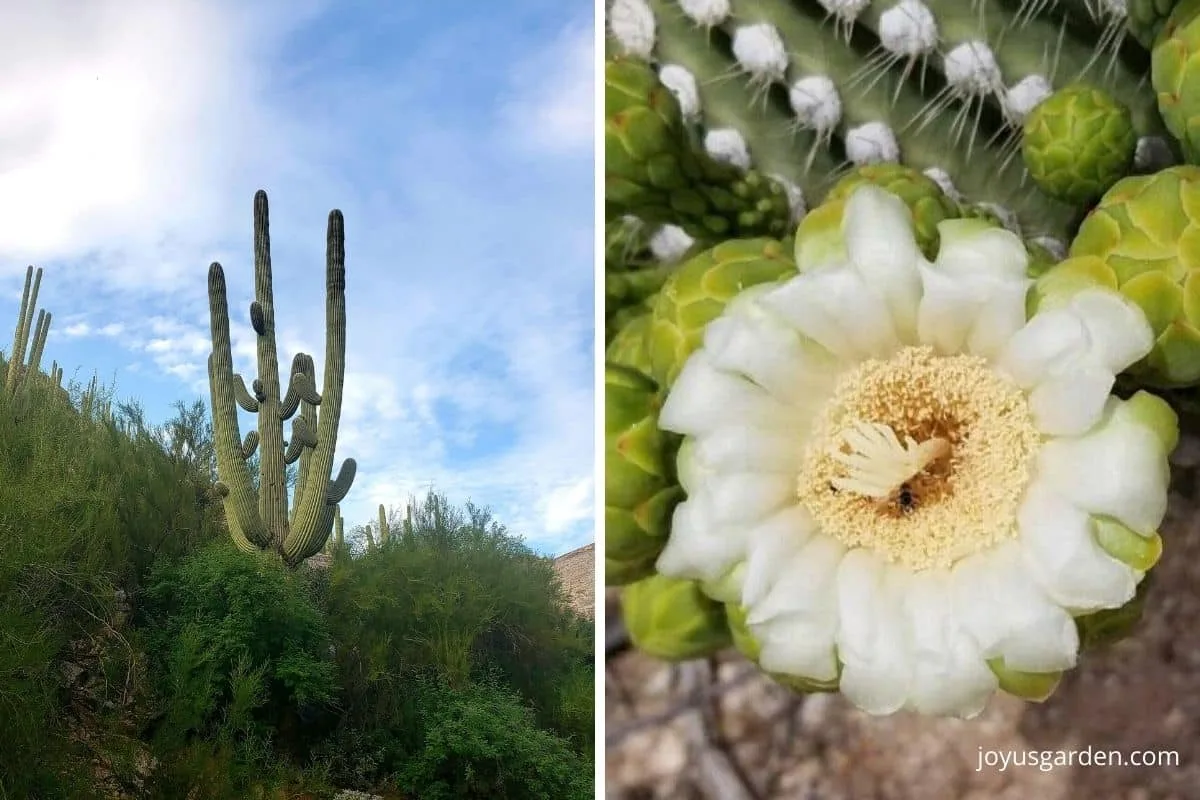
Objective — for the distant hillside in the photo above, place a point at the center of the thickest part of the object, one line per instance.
(577, 569)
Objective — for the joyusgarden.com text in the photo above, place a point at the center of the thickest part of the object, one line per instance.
(1046, 760)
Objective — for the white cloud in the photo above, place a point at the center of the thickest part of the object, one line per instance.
(557, 114)
(468, 275)
(123, 124)
(568, 505)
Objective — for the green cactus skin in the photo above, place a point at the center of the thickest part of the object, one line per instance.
(640, 491)
(1175, 75)
(697, 292)
(1077, 143)
(262, 522)
(673, 619)
(21, 372)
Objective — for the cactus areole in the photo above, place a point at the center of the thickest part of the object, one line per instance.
(262, 521)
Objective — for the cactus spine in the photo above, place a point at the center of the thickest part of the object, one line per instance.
(19, 370)
(262, 521)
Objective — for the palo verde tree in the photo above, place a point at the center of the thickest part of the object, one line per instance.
(260, 520)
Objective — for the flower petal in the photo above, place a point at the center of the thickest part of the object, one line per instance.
(948, 309)
(740, 446)
(878, 230)
(974, 248)
(950, 675)
(836, 308)
(1009, 615)
(697, 548)
(747, 497)
(1117, 469)
(1067, 405)
(1062, 356)
(692, 471)
(804, 587)
(704, 398)
(871, 640)
(771, 546)
(795, 645)
(1049, 339)
(795, 619)
(1119, 334)
(976, 313)
(1063, 554)
(749, 340)
(974, 293)
(1002, 315)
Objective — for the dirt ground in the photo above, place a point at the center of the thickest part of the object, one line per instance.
(714, 729)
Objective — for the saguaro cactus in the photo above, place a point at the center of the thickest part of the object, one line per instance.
(18, 367)
(261, 521)
(334, 543)
(385, 531)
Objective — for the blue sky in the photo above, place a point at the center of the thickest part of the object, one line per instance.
(455, 136)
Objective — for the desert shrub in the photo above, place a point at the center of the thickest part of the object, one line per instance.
(240, 650)
(483, 742)
(574, 713)
(70, 485)
(453, 593)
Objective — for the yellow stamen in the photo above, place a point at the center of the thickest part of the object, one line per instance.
(921, 458)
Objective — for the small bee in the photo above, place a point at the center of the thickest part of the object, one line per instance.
(905, 500)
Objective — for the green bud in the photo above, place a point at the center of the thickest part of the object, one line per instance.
(640, 492)
(1175, 75)
(1077, 143)
(673, 619)
(1146, 231)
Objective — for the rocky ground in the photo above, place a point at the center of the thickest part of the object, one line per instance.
(715, 730)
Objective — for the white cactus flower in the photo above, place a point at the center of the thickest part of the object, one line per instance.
(907, 488)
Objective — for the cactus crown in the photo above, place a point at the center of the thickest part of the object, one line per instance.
(261, 521)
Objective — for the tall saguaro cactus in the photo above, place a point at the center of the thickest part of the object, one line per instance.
(385, 531)
(261, 521)
(18, 367)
